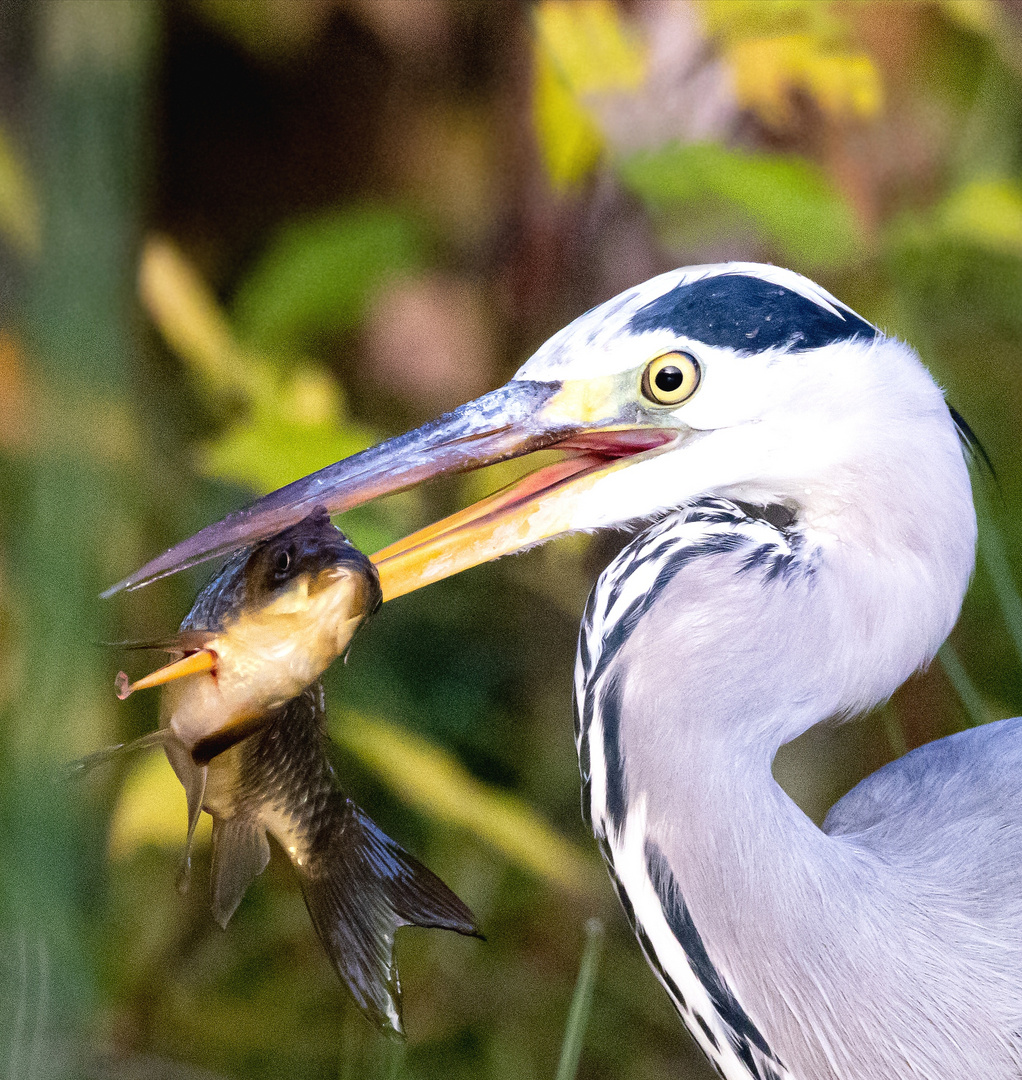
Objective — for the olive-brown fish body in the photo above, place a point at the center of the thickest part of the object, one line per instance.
(359, 885)
(258, 763)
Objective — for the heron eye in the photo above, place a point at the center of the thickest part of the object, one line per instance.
(671, 378)
(282, 563)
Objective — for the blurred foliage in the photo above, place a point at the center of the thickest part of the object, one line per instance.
(241, 241)
(19, 214)
(583, 48)
(426, 777)
(317, 276)
(780, 48)
(787, 200)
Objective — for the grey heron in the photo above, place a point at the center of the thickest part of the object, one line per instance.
(806, 535)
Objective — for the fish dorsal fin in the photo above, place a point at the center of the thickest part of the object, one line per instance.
(359, 889)
(240, 854)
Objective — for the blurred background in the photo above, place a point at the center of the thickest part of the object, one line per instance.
(241, 240)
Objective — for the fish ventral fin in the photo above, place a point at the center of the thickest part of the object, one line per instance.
(240, 854)
(360, 887)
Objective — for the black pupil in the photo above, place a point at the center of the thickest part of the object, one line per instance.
(669, 379)
(283, 561)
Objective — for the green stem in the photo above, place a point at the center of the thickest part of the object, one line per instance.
(892, 729)
(994, 558)
(970, 697)
(581, 1002)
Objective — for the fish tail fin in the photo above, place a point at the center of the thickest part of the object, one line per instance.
(360, 887)
(240, 854)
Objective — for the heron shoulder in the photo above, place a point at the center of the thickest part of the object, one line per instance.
(958, 797)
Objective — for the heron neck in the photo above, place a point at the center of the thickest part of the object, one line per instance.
(729, 662)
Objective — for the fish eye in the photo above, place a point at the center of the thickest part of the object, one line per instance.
(282, 562)
(671, 378)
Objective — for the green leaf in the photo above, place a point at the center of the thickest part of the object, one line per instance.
(429, 778)
(986, 214)
(317, 275)
(788, 201)
(265, 453)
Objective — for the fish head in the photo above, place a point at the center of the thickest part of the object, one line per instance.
(310, 573)
(264, 628)
(305, 591)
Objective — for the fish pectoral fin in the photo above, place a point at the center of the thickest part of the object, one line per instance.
(361, 887)
(240, 854)
(100, 757)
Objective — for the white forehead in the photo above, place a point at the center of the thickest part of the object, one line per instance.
(603, 341)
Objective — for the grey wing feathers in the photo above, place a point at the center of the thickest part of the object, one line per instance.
(958, 799)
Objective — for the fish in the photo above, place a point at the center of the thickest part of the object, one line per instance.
(245, 733)
(359, 885)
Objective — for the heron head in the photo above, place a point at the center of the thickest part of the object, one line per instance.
(740, 379)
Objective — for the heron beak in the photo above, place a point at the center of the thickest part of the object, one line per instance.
(527, 512)
(591, 420)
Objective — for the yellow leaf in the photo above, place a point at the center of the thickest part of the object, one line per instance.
(582, 49)
(293, 422)
(19, 211)
(767, 71)
(151, 810)
(570, 140)
(980, 16)
(777, 48)
(187, 313)
(736, 20)
(433, 781)
(589, 45)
